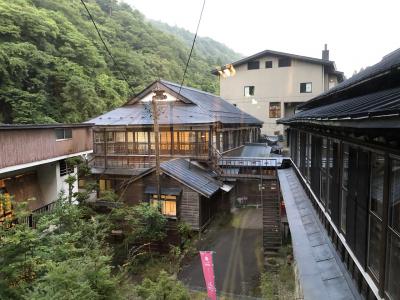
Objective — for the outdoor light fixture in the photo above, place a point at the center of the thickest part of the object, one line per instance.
(254, 101)
(227, 71)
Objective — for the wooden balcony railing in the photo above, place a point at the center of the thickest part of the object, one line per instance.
(129, 148)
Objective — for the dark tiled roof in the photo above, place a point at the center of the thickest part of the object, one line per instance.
(284, 54)
(200, 108)
(388, 63)
(382, 103)
(191, 175)
(373, 94)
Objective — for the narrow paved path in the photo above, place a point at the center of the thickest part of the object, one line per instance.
(237, 257)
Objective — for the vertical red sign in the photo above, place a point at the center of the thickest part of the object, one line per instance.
(208, 271)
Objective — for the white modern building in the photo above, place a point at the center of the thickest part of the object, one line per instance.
(270, 84)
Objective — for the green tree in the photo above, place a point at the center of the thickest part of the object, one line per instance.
(54, 68)
(165, 287)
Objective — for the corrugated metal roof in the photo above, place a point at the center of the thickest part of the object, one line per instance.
(203, 108)
(250, 150)
(382, 103)
(192, 176)
(388, 62)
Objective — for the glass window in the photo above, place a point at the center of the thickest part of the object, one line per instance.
(104, 185)
(63, 133)
(376, 186)
(167, 204)
(249, 91)
(323, 172)
(374, 242)
(308, 157)
(141, 137)
(65, 169)
(253, 65)
(99, 137)
(110, 136)
(284, 62)
(395, 195)
(268, 64)
(393, 247)
(120, 136)
(344, 187)
(306, 87)
(274, 109)
(393, 266)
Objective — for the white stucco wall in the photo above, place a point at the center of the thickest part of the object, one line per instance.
(272, 85)
(51, 183)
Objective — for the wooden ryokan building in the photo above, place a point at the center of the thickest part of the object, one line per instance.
(194, 125)
(345, 146)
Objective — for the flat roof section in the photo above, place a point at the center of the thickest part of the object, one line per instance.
(321, 272)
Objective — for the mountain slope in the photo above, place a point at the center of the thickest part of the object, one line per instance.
(213, 51)
(53, 67)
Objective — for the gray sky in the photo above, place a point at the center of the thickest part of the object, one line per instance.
(358, 32)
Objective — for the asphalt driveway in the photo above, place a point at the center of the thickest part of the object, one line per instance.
(237, 257)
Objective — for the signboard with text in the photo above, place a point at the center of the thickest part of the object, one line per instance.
(208, 271)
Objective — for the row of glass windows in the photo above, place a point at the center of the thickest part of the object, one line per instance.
(181, 141)
(145, 137)
(350, 182)
(304, 87)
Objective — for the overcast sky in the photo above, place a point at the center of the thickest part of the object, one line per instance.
(358, 32)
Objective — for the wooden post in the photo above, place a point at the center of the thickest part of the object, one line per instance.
(159, 95)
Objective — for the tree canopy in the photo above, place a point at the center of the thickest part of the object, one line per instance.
(54, 68)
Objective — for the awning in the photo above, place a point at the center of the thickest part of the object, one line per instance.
(164, 191)
(226, 187)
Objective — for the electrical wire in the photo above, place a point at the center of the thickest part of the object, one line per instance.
(106, 47)
(191, 49)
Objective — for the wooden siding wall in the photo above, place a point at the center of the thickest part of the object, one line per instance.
(26, 187)
(188, 209)
(30, 145)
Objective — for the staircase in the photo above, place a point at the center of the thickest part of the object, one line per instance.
(272, 236)
(256, 169)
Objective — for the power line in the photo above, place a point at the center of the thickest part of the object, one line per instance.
(191, 49)
(105, 45)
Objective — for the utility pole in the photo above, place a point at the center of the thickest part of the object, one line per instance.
(159, 95)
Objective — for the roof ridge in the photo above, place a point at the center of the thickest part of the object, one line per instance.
(189, 88)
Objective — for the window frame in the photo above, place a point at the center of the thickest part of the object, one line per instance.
(304, 90)
(392, 233)
(66, 134)
(161, 204)
(284, 62)
(344, 188)
(250, 88)
(65, 169)
(269, 64)
(274, 109)
(253, 65)
(373, 215)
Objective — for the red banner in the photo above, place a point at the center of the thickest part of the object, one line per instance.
(208, 271)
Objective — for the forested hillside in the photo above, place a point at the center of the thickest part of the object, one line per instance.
(53, 67)
(215, 52)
